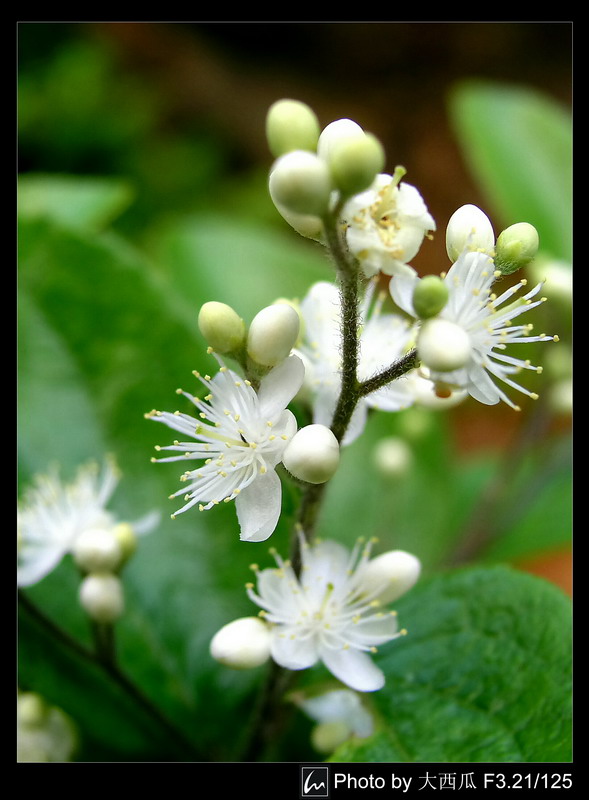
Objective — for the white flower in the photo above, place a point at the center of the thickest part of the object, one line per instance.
(241, 436)
(478, 312)
(52, 517)
(330, 613)
(384, 338)
(386, 225)
(44, 733)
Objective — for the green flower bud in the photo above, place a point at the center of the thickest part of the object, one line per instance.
(327, 736)
(222, 327)
(430, 296)
(516, 246)
(291, 125)
(300, 182)
(125, 536)
(272, 334)
(355, 162)
(313, 454)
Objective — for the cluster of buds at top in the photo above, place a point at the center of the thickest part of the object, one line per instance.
(312, 164)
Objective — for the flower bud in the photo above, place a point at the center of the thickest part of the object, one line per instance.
(97, 550)
(443, 346)
(291, 125)
(101, 596)
(396, 571)
(469, 227)
(393, 457)
(355, 162)
(308, 225)
(337, 131)
(429, 296)
(126, 538)
(516, 246)
(221, 326)
(327, 736)
(272, 334)
(300, 182)
(242, 644)
(312, 455)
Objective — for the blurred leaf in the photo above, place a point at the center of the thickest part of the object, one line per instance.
(421, 511)
(539, 510)
(518, 144)
(128, 340)
(245, 264)
(80, 202)
(484, 674)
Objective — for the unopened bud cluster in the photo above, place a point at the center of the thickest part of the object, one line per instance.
(100, 553)
(313, 165)
(264, 344)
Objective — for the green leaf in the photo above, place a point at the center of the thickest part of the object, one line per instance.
(72, 201)
(484, 674)
(518, 144)
(108, 338)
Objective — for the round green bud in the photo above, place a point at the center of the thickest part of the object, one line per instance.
(301, 183)
(127, 539)
(429, 296)
(272, 334)
(222, 327)
(313, 454)
(327, 736)
(291, 125)
(443, 346)
(355, 162)
(516, 247)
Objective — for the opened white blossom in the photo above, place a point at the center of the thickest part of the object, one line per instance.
(53, 516)
(486, 321)
(330, 613)
(384, 338)
(386, 224)
(240, 436)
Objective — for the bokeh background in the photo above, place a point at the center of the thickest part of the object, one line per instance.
(143, 169)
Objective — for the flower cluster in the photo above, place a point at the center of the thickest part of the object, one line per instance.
(56, 518)
(333, 612)
(348, 348)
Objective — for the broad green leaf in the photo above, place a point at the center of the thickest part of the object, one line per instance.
(483, 675)
(80, 202)
(518, 144)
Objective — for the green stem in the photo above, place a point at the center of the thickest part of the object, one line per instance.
(104, 657)
(270, 712)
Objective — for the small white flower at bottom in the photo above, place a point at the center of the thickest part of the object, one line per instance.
(330, 613)
(241, 436)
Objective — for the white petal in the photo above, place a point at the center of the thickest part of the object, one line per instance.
(291, 651)
(35, 562)
(354, 668)
(280, 385)
(258, 507)
(402, 287)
